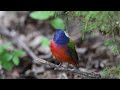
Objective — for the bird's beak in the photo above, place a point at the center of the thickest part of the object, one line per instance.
(66, 34)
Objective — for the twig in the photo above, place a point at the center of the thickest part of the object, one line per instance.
(14, 37)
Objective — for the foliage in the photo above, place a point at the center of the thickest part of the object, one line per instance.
(9, 59)
(106, 22)
(45, 42)
(113, 71)
(42, 15)
(56, 22)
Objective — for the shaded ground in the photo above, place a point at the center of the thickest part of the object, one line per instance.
(93, 54)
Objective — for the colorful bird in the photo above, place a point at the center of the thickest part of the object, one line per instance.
(63, 48)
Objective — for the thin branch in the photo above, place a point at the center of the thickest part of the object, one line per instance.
(15, 39)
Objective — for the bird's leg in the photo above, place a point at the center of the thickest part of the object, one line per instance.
(76, 68)
(67, 66)
(58, 65)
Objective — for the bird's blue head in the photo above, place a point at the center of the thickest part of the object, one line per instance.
(60, 37)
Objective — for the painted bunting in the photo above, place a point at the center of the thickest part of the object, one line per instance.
(63, 48)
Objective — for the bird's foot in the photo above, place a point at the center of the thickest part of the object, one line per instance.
(77, 68)
(60, 65)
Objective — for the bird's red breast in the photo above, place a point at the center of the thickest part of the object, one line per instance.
(61, 54)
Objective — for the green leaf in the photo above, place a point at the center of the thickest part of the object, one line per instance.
(6, 56)
(16, 60)
(112, 71)
(19, 53)
(45, 42)
(42, 15)
(7, 65)
(115, 50)
(108, 43)
(4, 46)
(0, 62)
(1, 49)
(58, 23)
(104, 73)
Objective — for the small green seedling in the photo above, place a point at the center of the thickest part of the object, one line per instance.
(9, 59)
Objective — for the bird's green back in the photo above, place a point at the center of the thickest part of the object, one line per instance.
(72, 50)
(71, 44)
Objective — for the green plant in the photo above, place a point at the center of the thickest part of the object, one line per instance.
(45, 42)
(107, 22)
(113, 46)
(42, 15)
(56, 22)
(113, 71)
(9, 59)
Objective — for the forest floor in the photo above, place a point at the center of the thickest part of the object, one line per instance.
(93, 54)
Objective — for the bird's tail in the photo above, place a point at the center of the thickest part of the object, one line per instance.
(78, 63)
